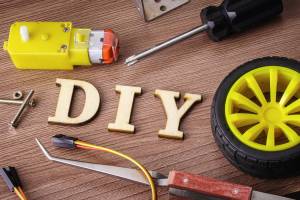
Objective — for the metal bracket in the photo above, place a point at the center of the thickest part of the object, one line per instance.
(151, 9)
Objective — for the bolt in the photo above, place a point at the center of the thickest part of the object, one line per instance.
(27, 102)
(31, 103)
(15, 120)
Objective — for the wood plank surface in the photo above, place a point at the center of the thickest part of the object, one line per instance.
(196, 66)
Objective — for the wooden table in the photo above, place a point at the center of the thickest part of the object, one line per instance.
(196, 66)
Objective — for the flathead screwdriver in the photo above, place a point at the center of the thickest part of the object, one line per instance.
(232, 16)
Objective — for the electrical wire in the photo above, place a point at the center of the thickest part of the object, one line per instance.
(22, 192)
(19, 192)
(85, 145)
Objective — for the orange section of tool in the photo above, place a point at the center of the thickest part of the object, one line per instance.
(111, 48)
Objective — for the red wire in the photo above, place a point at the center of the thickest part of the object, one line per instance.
(84, 147)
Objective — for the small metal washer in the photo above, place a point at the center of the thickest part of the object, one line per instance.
(17, 95)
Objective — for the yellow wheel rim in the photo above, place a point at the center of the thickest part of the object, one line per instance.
(262, 108)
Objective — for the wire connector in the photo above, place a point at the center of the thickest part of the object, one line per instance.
(11, 178)
(64, 141)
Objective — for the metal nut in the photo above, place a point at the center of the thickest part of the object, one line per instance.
(32, 103)
(18, 95)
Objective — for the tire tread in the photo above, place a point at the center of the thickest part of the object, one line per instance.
(249, 164)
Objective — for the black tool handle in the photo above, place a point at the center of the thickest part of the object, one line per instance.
(234, 16)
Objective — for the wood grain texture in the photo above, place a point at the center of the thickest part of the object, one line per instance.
(208, 186)
(196, 66)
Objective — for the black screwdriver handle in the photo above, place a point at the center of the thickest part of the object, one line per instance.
(234, 16)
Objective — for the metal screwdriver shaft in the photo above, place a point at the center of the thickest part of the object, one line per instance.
(135, 58)
(230, 17)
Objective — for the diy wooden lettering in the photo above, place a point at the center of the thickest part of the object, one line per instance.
(174, 114)
(127, 94)
(91, 106)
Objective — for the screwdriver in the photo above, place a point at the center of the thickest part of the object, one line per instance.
(232, 16)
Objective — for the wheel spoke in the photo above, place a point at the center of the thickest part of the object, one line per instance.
(291, 135)
(243, 119)
(293, 107)
(245, 103)
(253, 85)
(289, 91)
(271, 137)
(254, 132)
(293, 119)
(273, 84)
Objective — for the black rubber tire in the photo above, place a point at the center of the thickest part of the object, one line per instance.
(254, 162)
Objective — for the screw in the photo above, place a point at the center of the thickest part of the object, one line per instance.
(63, 48)
(31, 103)
(27, 101)
(15, 120)
(66, 29)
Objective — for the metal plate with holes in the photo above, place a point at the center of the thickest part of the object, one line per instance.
(151, 9)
